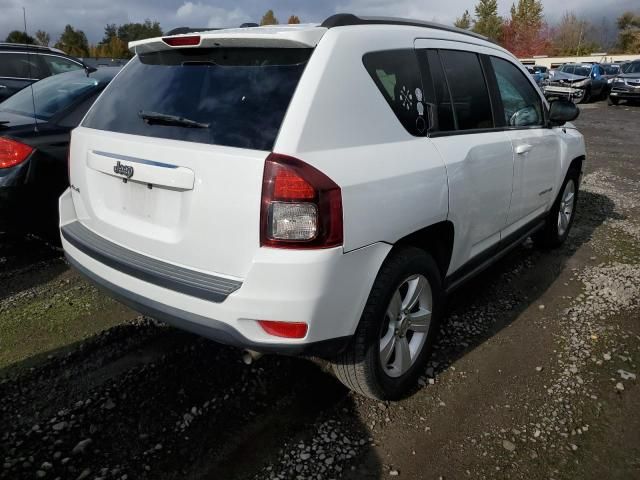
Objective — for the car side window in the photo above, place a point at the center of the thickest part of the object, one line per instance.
(60, 64)
(471, 102)
(20, 65)
(397, 76)
(520, 101)
(438, 97)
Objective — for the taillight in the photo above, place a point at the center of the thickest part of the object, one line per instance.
(284, 329)
(188, 41)
(301, 206)
(12, 152)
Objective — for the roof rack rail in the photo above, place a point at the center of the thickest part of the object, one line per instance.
(346, 19)
(25, 45)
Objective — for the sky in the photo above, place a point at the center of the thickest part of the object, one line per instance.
(92, 15)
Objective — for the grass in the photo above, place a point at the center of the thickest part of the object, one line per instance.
(52, 317)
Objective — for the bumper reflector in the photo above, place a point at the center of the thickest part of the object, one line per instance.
(284, 329)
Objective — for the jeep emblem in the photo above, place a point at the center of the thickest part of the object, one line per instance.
(125, 170)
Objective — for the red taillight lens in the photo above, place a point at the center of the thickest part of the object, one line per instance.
(12, 153)
(284, 329)
(301, 206)
(190, 41)
(288, 185)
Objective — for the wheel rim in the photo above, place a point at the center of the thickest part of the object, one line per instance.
(406, 326)
(565, 211)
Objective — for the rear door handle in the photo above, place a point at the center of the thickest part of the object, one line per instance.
(524, 148)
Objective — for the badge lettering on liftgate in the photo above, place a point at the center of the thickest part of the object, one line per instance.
(126, 170)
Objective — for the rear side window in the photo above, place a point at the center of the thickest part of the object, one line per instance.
(20, 65)
(237, 96)
(471, 102)
(397, 76)
(442, 108)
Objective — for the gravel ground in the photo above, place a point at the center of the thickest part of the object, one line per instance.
(534, 376)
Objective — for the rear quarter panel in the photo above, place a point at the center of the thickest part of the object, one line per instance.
(392, 182)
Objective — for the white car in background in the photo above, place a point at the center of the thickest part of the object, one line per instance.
(316, 189)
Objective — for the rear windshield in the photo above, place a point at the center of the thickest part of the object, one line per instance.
(235, 97)
(52, 95)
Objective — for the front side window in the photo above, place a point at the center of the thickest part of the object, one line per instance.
(235, 97)
(521, 103)
(397, 76)
(471, 102)
(60, 64)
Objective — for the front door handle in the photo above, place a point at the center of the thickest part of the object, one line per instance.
(524, 148)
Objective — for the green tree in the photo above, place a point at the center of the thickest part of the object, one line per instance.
(73, 42)
(629, 32)
(130, 32)
(487, 21)
(110, 31)
(43, 38)
(17, 36)
(269, 18)
(525, 32)
(464, 21)
(293, 20)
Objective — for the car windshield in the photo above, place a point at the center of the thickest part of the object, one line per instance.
(612, 69)
(582, 71)
(633, 68)
(51, 95)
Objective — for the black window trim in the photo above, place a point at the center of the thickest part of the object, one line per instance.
(495, 99)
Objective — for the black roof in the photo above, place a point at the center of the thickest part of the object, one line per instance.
(347, 19)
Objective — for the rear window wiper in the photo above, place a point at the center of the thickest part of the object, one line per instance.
(154, 118)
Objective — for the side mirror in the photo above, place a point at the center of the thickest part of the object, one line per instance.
(562, 111)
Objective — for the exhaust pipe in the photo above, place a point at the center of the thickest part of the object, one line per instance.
(250, 356)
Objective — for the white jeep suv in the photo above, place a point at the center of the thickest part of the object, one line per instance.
(316, 189)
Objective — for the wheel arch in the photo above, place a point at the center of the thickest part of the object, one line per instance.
(436, 239)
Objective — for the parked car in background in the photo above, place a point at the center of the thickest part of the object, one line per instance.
(626, 86)
(580, 82)
(21, 65)
(33, 151)
(542, 70)
(317, 189)
(536, 75)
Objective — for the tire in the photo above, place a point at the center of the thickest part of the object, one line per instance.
(613, 100)
(360, 367)
(560, 218)
(583, 99)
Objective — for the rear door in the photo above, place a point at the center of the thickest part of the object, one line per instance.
(536, 147)
(169, 161)
(17, 70)
(478, 155)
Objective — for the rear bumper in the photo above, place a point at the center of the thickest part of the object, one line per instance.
(326, 289)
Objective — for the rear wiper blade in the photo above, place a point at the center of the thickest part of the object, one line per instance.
(152, 118)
